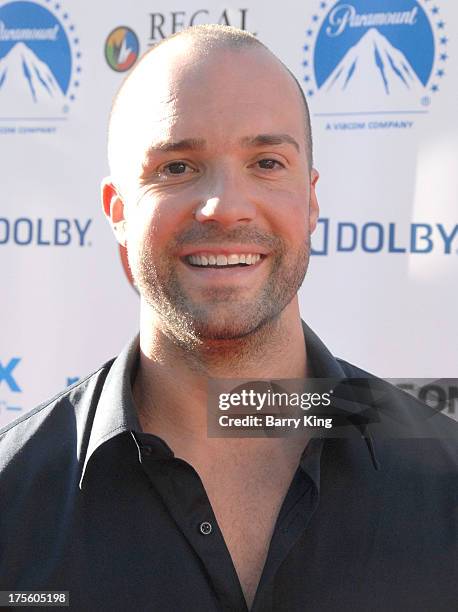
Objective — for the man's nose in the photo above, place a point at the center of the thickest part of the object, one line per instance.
(226, 201)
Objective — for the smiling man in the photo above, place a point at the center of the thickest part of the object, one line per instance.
(114, 490)
(213, 180)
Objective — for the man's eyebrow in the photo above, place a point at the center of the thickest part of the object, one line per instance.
(186, 144)
(199, 144)
(262, 140)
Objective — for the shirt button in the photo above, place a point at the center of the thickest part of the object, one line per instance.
(147, 450)
(205, 528)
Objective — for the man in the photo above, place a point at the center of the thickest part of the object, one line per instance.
(114, 491)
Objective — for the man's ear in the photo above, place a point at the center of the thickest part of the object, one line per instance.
(113, 207)
(314, 209)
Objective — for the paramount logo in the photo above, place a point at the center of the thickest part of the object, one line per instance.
(373, 64)
(345, 15)
(21, 34)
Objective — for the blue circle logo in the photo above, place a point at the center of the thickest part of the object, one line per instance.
(38, 59)
(363, 55)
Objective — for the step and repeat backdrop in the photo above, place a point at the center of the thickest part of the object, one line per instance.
(381, 78)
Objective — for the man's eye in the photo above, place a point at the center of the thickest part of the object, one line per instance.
(269, 164)
(176, 168)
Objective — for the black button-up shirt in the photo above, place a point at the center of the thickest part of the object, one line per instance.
(92, 505)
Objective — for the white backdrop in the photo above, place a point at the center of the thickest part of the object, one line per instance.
(382, 83)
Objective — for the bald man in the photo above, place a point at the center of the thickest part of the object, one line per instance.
(114, 492)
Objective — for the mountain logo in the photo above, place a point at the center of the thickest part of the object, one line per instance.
(121, 49)
(368, 56)
(38, 60)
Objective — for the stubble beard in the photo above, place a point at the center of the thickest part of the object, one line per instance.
(221, 318)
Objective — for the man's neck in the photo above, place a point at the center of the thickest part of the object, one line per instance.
(170, 389)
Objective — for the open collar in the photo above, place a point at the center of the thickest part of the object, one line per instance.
(116, 412)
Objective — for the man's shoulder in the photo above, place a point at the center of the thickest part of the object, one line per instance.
(56, 423)
(392, 400)
(408, 433)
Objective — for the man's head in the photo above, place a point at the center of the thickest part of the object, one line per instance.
(210, 157)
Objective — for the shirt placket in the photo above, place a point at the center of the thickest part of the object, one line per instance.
(182, 491)
(299, 506)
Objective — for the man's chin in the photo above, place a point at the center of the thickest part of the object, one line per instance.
(215, 329)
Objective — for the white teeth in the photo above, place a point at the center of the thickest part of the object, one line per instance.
(223, 260)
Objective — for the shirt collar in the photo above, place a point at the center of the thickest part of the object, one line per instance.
(321, 362)
(116, 413)
(352, 398)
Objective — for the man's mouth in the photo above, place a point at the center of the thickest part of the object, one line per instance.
(209, 260)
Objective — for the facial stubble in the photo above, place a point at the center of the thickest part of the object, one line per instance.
(223, 314)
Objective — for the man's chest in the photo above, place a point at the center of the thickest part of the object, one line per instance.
(247, 530)
(246, 512)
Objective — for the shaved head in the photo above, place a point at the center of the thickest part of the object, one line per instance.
(199, 42)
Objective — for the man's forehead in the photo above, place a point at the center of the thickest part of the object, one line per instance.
(167, 76)
(216, 97)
